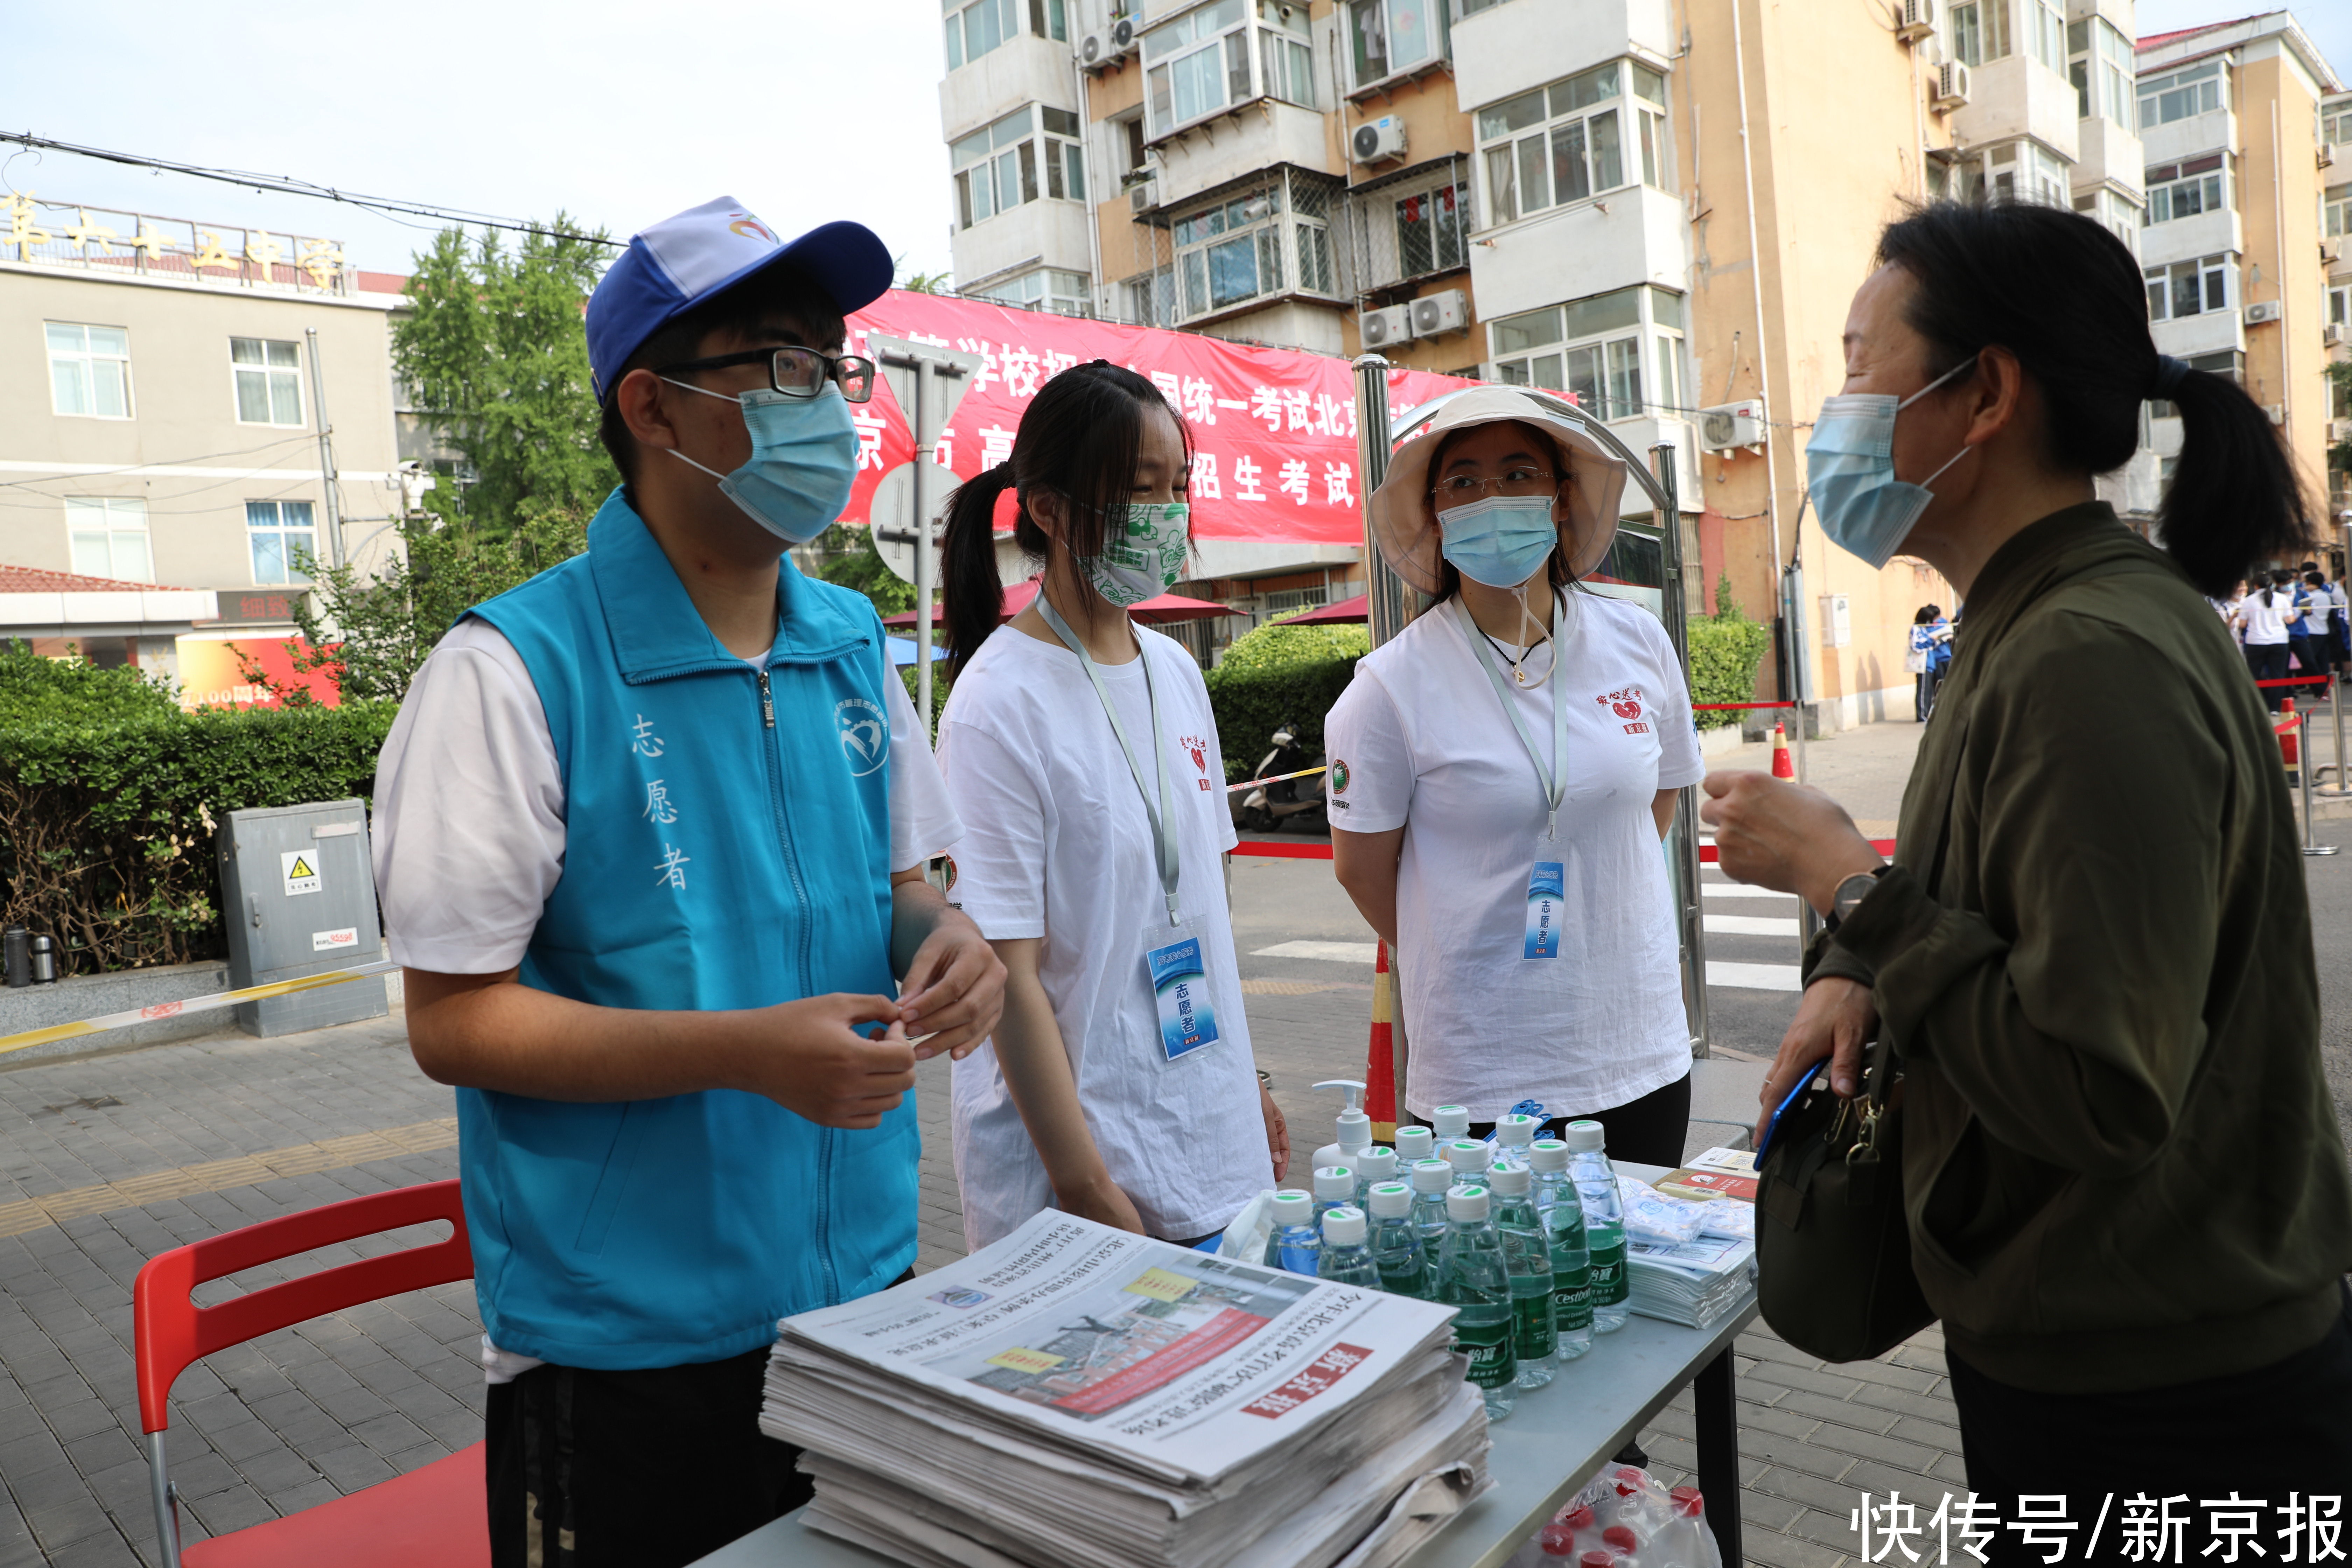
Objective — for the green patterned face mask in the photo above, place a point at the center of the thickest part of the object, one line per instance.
(1143, 551)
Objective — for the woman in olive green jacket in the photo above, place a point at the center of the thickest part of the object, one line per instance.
(2126, 1189)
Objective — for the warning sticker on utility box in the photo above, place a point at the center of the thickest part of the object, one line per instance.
(331, 941)
(301, 870)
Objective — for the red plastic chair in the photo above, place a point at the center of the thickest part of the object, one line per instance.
(437, 1514)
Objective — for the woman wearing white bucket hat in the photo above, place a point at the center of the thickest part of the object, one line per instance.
(1501, 773)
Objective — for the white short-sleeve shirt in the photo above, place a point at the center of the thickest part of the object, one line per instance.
(1420, 740)
(1057, 846)
(469, 820)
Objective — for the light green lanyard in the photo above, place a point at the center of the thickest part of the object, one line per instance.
(1553, 780)
(1163, 839)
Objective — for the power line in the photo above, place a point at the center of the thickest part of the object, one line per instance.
(285, 185)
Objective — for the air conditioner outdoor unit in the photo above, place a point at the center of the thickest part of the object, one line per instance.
(2263, 311)
(2339, 431)
(2328, 154)
(1732, 425)
(2331, 252)
(1094, 51)
(1951, 85)
(1448, 312)
(2278, 411)
(1379, 139)
(2333, 334)
(1393, 324)
(1122, 35)
(1143, 196)
(1914, 20)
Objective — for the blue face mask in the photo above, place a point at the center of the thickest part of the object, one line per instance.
(1850, 468)
(1502, 541)
(804, 461)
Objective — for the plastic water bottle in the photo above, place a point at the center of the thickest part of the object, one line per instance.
(1604, 1224)
(1374, 1166)
(1513, 1134)
(1334, 1185)
(1526, 1259)
(1346, 1260)
(1470, 1158)
(1450, 1122)
(1414, 1144)
(1471, 1278)
(1296, 1246)
(1430, 1178)
(1563, 1224)
(1395, 1245)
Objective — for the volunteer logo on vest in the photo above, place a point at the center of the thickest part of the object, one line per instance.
(1626, 703)
(1198, 750)
(1339, 776)
(865, 734)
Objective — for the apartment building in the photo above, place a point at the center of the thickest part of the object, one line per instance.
(1661, 207)
(164, 386)
(2243, 243)
(2336, 322)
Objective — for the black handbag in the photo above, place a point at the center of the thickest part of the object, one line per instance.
(1833, 1247)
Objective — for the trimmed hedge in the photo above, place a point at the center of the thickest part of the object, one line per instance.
(1278, 675)
(1727, 649)
(111, 797)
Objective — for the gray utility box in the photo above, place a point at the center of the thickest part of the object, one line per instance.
(299, 894)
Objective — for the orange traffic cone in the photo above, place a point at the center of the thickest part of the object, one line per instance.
(1784, 765)
(1380, 1057)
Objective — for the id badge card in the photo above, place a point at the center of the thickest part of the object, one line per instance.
(1545, 882)
(1179, 971)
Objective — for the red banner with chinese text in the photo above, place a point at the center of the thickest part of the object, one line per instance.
(1273, 430)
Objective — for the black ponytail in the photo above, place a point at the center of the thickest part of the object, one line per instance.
(1078, 440)
(2066, 297)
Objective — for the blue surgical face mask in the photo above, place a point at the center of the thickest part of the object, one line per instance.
(1502, 541)
(1850, 468)
(804, 461)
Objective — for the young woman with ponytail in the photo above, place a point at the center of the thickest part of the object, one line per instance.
(2092, 954)
(1082, 755)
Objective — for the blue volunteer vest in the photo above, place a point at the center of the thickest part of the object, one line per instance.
(713, 859)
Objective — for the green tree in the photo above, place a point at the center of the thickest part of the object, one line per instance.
(846, 555)
(493, 347)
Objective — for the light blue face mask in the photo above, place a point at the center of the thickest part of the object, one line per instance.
(804, 461)
(1850, 468)
(1502, 541)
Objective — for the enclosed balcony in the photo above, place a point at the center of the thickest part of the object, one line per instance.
(1506, 49)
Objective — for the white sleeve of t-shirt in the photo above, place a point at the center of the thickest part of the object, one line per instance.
(922, 821)
(1001, 858)
(469, 810)
(1679, 762)
(469, 830)
(1365, 732)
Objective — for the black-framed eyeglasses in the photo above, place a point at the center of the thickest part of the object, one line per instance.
(796, 372)
(1517, 480)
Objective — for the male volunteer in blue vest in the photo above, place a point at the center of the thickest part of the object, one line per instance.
(649, 835)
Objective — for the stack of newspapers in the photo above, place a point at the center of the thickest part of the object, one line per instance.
(1075, 1396)
(1690, 1242)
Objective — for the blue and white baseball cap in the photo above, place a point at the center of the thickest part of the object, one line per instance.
(679, 262)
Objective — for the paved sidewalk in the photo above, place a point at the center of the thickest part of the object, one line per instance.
(107, 1161)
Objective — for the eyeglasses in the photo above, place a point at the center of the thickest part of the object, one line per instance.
(796, 372)
(1518, 481)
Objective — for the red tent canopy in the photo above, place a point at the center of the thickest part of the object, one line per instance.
(1154, 611)
(1356, 609)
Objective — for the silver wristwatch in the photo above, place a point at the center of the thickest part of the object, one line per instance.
(1850, 894)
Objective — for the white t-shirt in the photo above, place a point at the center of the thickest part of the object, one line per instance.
(470, 826)
(2265, 623)
(1418, 740)
(1056, 844)
(469, 806)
